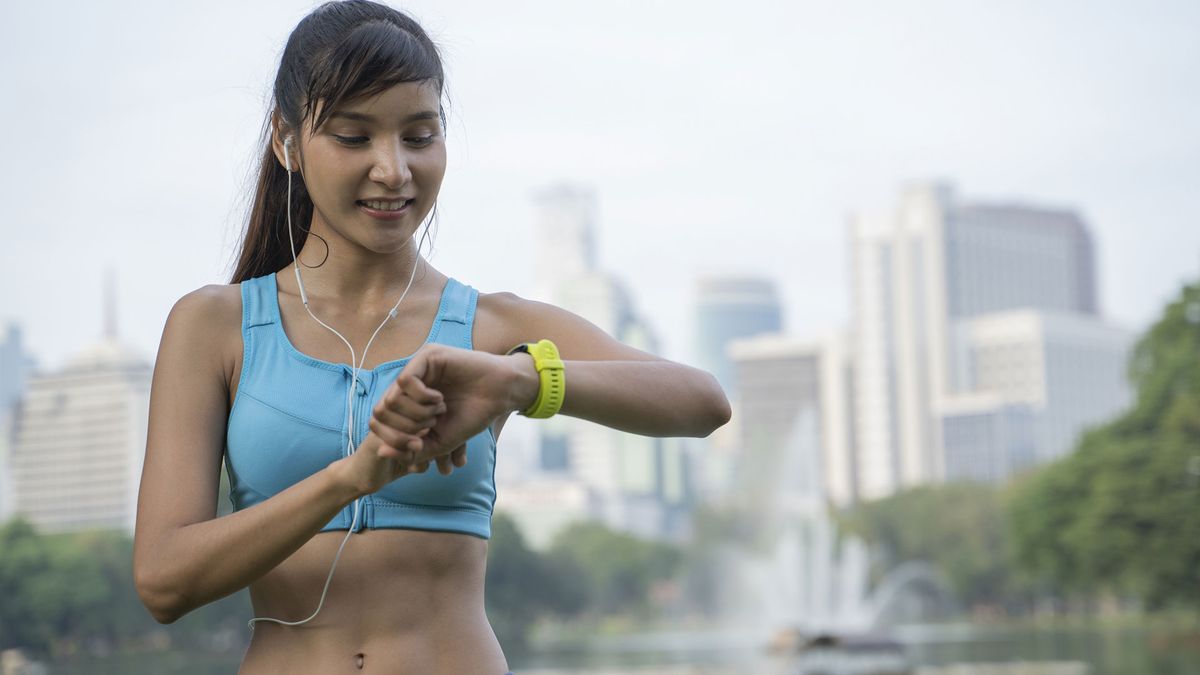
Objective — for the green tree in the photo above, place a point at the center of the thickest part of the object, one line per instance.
(23, 560)
(958, 528)
(121, 615)
(1122, 513)
(617, 570)
(62, 593)
(64, 589)
(523, 586)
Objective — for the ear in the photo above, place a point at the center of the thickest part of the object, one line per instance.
(279, 134)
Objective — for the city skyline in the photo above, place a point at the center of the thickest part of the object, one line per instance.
(977, 351)
(957, 305)
(741, 160)
(109, 328)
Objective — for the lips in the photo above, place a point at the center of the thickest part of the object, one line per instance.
(384, 204)
(381, 209)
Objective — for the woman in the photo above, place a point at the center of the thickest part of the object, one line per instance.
(319, 448)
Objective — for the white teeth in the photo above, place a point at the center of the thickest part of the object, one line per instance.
(385, 206)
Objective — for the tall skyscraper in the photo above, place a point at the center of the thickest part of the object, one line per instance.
(728, 308)
(7, 499)
(626, 473)
(566, 228)
(79, 442)
(80, 437)
(918, 271)
(16, 366)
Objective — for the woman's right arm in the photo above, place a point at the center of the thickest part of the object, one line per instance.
(183, 555)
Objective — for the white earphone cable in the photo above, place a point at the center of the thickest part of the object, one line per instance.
(357, 366)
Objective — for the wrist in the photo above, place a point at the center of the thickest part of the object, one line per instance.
(523, 389)
(551, 386)
(342, 482)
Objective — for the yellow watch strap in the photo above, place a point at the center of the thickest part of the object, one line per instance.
(551, 378)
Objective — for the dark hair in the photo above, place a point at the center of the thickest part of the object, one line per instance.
(340, 52)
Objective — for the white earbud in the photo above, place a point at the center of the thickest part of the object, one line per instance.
(287, 157)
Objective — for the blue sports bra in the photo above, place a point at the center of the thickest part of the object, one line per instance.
(289, 421)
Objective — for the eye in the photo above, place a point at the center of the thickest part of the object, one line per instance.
(351, 140)
(419, 141)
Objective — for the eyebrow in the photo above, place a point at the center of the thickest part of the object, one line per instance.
(362, 117)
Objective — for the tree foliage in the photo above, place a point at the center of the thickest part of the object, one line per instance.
(523, 586)
(959, 528)
(1118, 516)
(61, 590)
(1122, 513)
(60, 594)
(616, 571)
(64, 593)
(589, 569)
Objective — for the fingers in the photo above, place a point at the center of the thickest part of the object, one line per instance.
(414, 388)
(410, 398)
(455, 458)
(445, 463)
(410, 426)
(405, 459)
(401, 416)
(407, 415)
(397, 444)
(425, 364)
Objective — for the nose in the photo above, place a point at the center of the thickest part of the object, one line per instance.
(390, 166)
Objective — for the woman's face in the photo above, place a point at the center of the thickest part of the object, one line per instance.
(375, 167)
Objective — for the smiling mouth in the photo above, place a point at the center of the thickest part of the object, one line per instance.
(389, 205)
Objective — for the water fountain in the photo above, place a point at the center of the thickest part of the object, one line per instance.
(792, 579)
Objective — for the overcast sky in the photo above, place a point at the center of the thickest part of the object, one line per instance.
(719, 138)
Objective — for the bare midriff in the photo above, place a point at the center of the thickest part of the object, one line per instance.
(401, 601)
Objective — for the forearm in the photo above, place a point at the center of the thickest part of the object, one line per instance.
(652, 398)
(193, 565)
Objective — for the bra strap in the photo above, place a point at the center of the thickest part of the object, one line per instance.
(257, 305)
(458, 314)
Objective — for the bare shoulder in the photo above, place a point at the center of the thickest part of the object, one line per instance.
(209, 319)
(505, 319)
(211, 310)
(215, 298)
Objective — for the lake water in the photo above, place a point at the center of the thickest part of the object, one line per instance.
(1125, 651)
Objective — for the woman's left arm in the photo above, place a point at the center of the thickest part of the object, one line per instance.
(608, 382)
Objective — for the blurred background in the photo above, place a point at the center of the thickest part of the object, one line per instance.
(944, 257)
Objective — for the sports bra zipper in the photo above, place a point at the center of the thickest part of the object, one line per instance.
(362, 418)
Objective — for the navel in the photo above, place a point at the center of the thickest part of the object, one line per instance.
(359, 659)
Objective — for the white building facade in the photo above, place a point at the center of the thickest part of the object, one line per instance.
(922, 272)
(79, 441)
(632, 483)
(1059, 373)
(796, 422)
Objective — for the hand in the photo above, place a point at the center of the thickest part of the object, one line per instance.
(389, 450)
(475, 387)
(403, 416)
